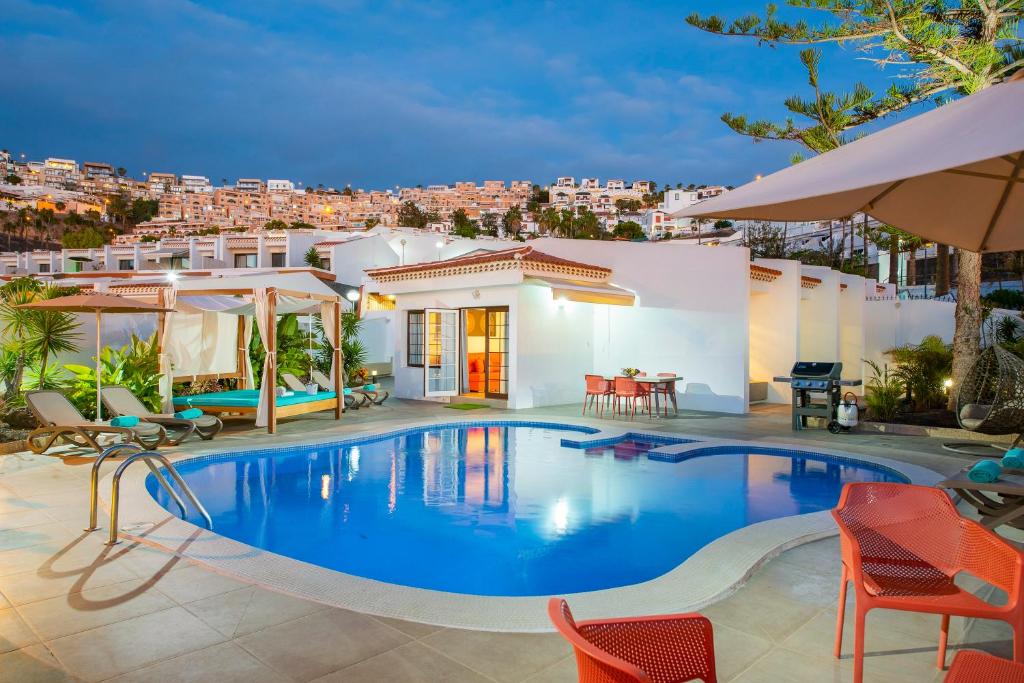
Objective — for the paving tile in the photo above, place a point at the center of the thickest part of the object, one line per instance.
(14, 632)
(44, 583)
(884, 630)
(318, 644)
(34, 664)
(815, 583)
(762, 612)
(250, 609)
(736, 650)
(121, 647)
(23, 537)
(507, 657)
(195, 583)
(562, 671)
(792, 667)
(224, 663)
(994, 637)
(147, 562)
(93, 607)
(412, 629)
(22, 519)
(412, 663)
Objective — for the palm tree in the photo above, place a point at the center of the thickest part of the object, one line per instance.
(30, 333)
(50, 332)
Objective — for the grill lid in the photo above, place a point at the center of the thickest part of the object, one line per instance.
(817, 369)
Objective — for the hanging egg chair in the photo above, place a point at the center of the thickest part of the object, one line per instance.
(991, 398)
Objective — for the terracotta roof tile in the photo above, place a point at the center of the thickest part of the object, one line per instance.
(525, 254)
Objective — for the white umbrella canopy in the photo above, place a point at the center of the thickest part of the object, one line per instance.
(954, 175)
(97, 303)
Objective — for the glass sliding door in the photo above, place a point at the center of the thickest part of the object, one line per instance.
(497, 352)
(441, 353)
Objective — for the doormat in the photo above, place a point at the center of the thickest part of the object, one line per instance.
(465, 406)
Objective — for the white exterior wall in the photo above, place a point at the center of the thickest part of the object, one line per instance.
(775, 327)
(553, 349)
(819, 316)
(851, 329)
(378, 336)
(691, 315)
(350, 259)
(889, 323)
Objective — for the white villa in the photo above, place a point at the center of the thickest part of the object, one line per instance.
(520, 324)
(524, 324)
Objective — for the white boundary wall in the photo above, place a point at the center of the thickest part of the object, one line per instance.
(775, 327)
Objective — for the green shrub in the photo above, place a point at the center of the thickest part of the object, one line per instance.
(884, 392)
(135, 366)
(1005, 298)
(922, 369)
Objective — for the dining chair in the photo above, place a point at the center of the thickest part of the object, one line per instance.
(599, 392)
(628, 389)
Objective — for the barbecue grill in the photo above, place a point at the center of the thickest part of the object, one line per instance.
(812, 381)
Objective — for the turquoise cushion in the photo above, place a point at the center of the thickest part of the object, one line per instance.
(189, 414)
(127, 421)
(1014, 459)
(348, 392)
(244, 398)
(369, 387)
(985, 472)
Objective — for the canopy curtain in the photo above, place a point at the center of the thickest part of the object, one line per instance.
(243, 353)
(328, 322)
(166, 371)
(267, 384)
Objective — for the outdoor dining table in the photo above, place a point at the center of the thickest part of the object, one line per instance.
(655, 380)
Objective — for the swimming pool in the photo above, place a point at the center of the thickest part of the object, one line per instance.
(506, 510)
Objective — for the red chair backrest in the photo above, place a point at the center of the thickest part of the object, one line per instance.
(913, 524)
(626, 386)
(596, 384)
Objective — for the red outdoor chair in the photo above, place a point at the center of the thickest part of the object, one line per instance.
(972, 666)
(902, 547)
(661, 649)
(599, 392)
(628, 389)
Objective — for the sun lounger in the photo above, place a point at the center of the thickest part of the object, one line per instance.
(121, 401)
(353, 399)
(293, 382)
(373, 397)
(998, 502)
(61, 423)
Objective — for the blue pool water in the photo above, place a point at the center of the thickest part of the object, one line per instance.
(503, 510)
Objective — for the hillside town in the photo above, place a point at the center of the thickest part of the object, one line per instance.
(193, 204)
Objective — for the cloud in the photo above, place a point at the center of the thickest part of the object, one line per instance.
(371, 94)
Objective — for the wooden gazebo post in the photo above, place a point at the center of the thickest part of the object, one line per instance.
(339, 362)
(271, 372)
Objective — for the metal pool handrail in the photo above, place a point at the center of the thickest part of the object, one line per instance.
(147, 457)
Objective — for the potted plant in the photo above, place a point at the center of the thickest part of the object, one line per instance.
(630, 372)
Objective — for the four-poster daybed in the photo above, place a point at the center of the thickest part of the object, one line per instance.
(199, 340)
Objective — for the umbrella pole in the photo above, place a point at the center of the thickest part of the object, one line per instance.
(99, 344)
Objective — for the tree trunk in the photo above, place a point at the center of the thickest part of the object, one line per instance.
(894, 260)
(911, 267)
(941, 269)
(967, 334)
(864, 244)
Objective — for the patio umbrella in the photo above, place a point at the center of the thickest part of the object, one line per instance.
(98, 303)
(954, 175)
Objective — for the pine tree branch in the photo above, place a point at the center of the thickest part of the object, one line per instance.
(896, 31)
